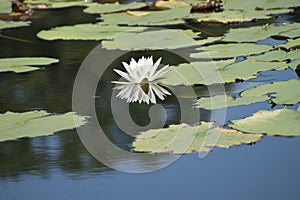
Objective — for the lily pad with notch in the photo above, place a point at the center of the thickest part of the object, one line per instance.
(230, 50)
(280, 122)
(153, 39)
(98, 31)
(24, 64)
(112, 7)
(164, 17)
(183, 139)
(36, 123)
(283, 92)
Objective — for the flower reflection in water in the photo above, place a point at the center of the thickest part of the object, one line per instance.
(142, 83)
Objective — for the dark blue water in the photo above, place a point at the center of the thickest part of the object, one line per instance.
(59, 166)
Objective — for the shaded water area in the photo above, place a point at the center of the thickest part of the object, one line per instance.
(59, 166)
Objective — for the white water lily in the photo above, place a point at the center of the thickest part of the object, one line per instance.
(142, 83)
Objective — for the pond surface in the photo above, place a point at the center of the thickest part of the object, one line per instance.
(59, 166)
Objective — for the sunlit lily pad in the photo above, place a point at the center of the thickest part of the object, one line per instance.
(12, 24)
(180, 139)
(5, 6)
(260, 4)
(164, 39)
(217, 102)
(271, 56)
(283, 92)
(24, 64)
(281, 122)
(170, 4)
(218, 71)
(196, 73)
(48, 4)
(171, 16)
(286, 92)
(96, 31)
(292, 44)
(209, 40)
(255, 33)
(292, 57)
(112, 7)
(230, 50)
(36, 123)
(248, 69)
(233, 16)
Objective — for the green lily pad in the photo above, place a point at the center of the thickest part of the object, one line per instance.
(208, 73)
(218, 101)
(283, 92)
(281, 122)
(55, 4)
(12, 24)
(279, 91)
(233, 16)
(271, 56)
(292, 44)
(96, 31)
(209, 40)
(164, 17)
(291, 33)
(171, 4)
(112, 7)
(5, 6)
(280, 56)
(248, 69)
(23, 64)
(155, 39)
(230, 50)
(36, 123)
(255, 33)
(195, 73)
(260, 4)
(183, 138)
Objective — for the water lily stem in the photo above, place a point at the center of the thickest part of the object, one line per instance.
(14, 38)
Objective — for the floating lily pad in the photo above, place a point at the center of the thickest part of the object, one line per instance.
(255, 33)
(291, 33)
(36, 123)
(248, 69)
(97, 31)
(112, 7)
(12, 24)
(292, 44)
(279, 56)
(209, 40)
(230, 50)
(208, 73)
(271, 56)
(217, 102)
(279, 91)
(180, 139)
(171, 16)
(196, 73)
(48, 4)
(283, 92)
(170, 4)
(155, 39)
(260, 4)
(5, 6)
(281, 122)
(24, 64)
(233, 16)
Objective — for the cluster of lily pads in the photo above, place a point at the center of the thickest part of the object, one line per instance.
(126, 27)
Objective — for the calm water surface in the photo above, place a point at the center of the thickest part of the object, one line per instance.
(59, 166)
